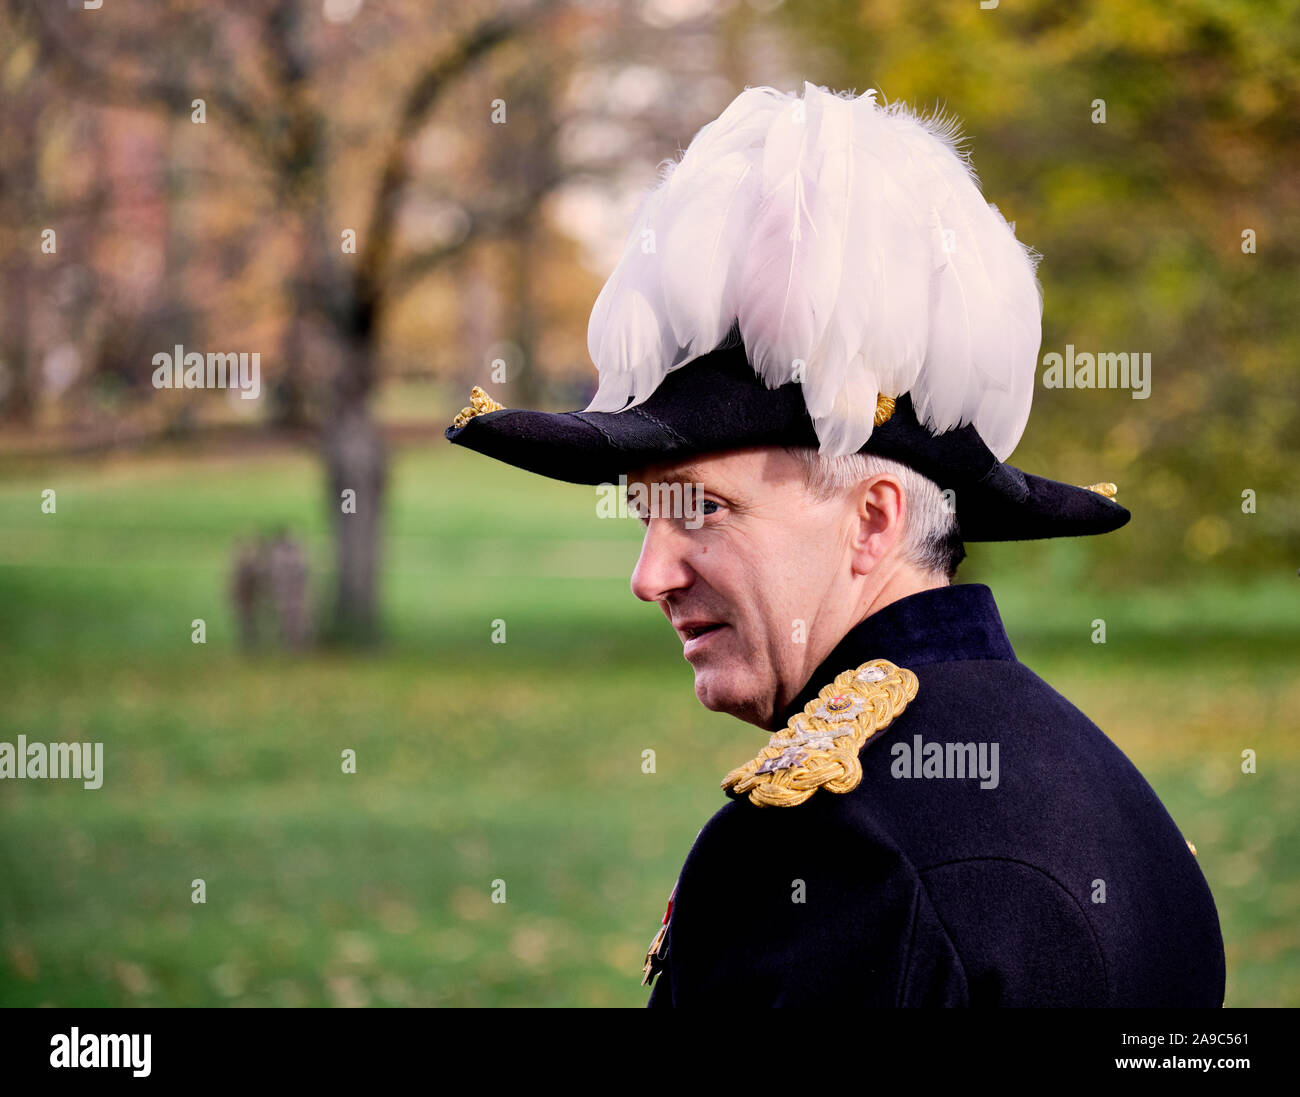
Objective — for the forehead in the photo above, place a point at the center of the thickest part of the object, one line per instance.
(751, 468)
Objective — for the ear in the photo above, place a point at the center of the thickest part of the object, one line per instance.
(880, 511)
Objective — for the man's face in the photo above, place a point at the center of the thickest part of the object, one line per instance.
(766, 575)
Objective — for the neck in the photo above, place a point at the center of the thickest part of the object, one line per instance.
(898, 583)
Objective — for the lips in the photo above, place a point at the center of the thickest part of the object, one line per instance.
(691, 630)
(698, 636)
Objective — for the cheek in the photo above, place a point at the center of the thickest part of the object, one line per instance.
(796, 564)
(798, 585)
(768, 583)
(766, 605)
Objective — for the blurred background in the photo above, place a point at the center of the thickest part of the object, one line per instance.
(392, 200)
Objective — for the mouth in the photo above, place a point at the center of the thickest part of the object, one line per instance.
(696, 635)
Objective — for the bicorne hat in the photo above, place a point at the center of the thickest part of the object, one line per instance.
(815, 271)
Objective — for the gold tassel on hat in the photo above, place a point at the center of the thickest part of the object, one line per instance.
(480, 403)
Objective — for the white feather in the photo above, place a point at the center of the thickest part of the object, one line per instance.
(788, 280)
(627, 331)
(846, 236)
(705, 238)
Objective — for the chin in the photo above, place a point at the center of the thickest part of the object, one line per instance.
(721, 692)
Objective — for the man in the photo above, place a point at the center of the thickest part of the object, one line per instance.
(822, 331)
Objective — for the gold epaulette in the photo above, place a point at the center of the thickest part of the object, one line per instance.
(819, 747)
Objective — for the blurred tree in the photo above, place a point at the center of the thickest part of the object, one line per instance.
(20, 206)
(26, 261)
(280, 116)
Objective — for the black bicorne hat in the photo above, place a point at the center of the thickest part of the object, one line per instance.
(816, 271)
(717, 403)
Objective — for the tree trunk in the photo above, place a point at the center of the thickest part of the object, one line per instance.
(289, 396)
(19, 401)
(526, 385)
(357, 461)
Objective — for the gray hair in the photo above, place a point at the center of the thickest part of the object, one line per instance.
(931, 539)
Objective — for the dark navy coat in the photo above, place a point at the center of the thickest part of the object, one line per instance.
(934, 891)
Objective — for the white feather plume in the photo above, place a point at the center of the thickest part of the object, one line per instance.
(852, 245)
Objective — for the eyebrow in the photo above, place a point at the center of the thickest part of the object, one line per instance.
(687, 474)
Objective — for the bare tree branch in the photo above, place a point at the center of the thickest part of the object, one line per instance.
(483, 224)
(395, 173)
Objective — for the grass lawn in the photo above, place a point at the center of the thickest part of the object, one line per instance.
(478, 761)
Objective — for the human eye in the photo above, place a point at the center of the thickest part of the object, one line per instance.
(700, 510)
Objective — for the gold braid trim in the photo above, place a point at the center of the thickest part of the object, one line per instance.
(819, 747)
(480, 403)
(884, 409)
(1108, 490)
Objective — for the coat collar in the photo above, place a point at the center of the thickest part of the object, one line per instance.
(942, 625)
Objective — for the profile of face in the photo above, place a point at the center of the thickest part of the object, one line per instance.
(765, 578)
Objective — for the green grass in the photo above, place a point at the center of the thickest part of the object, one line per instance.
(478, 761)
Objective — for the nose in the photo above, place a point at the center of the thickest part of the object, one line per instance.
(661, 568)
